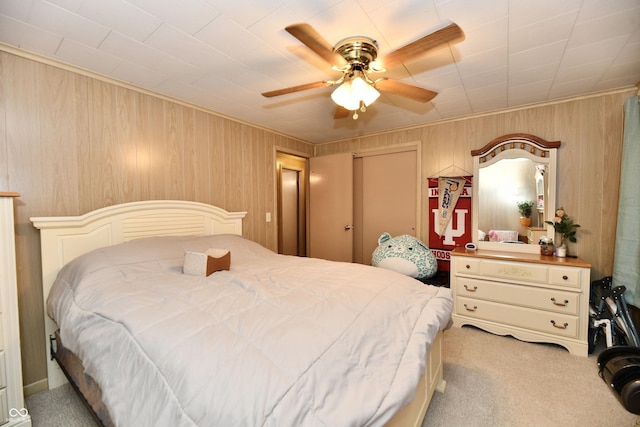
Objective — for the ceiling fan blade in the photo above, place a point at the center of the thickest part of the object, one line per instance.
(341, 113)
(297, 88)
(414, 92)
(314, 41)
(408, 52)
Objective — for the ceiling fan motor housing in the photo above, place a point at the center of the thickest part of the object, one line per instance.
(358, 51)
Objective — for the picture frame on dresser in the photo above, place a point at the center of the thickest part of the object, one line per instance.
(12, 408)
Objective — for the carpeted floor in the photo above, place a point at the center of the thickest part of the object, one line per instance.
(491, 381)
(500, 381)
(59, 407)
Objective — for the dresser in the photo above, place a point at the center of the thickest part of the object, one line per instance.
(12, 408)
(534, 234)
(530, 296)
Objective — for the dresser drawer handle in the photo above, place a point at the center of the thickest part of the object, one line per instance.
(470, 309)
(467, 266)
(565, 278)
(553, 322)
(560, 304)
(475, 288)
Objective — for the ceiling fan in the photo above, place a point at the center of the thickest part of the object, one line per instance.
(356, 57)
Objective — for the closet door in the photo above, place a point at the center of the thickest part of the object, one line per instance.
(354, 199)
(387, 198)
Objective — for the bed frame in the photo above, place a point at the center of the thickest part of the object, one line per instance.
(65, 238)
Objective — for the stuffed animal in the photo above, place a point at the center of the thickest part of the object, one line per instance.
(404, 254)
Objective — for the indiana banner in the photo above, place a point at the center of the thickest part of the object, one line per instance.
(449, 191)
(458, 231)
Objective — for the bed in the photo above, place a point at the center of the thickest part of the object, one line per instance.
(274, 340)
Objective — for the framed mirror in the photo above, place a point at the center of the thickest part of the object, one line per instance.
(509, 170)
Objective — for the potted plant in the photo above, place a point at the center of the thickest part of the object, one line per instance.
(525, 207)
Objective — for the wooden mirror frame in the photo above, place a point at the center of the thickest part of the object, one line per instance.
(511, 146)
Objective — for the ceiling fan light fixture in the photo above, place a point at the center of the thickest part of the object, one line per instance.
(364, 91)
(342, 96)
(353, 93)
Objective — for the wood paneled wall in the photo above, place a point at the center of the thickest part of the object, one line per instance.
(71, 143)
(590, 129)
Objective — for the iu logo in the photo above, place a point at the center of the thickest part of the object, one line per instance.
(449, 232)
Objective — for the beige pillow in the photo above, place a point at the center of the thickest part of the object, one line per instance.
(204, 264)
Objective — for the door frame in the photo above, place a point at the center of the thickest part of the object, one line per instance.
(394, 148)
(304, 216)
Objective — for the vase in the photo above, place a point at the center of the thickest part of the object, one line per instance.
(561, 251)
(525, 221)
(563, 241)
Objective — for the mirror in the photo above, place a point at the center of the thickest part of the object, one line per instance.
(508, 170)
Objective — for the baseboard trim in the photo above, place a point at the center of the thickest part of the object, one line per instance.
(33, 388)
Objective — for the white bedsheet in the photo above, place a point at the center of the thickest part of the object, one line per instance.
(275, 341)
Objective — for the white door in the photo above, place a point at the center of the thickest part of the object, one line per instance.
(331, 207)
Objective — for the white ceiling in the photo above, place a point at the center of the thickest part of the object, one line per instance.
(222, 54)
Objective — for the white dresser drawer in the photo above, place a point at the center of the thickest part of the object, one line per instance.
(564, 276)
(1, 336)
(526, 272)
(520, 295)
(468, 266)
(547, 322)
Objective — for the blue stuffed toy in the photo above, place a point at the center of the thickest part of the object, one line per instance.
(405, 254)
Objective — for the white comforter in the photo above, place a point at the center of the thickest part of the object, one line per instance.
(275, 341)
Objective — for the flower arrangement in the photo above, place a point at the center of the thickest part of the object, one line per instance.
(564, 225)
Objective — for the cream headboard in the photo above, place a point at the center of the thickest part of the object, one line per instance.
(65, 238)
